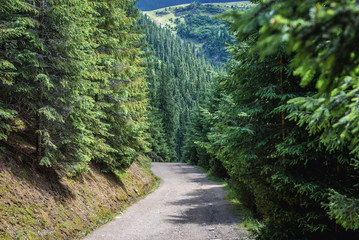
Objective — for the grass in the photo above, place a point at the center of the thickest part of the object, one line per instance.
(156, 186)
(128, 179)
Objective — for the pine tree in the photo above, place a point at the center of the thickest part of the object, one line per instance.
(17, 21)
(122, 89)
(74, 70)
(324, 51)
(178, 79)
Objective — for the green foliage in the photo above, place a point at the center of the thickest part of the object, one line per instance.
(200, 26)
(17, 58)
(289, 169)
(344, 210)
(75, 69)
(322, 38)
(197, 142)
(179, 77)
(6, 115)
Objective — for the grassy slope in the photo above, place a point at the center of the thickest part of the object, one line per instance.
(147, 5)
(46, 204)
(197, 24)
(164, 20)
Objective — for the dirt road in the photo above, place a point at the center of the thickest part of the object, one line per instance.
(186, 206)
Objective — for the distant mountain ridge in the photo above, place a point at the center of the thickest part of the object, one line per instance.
(148, 5)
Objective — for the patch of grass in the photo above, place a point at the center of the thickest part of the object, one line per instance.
(27, 212)
(157, 184)
(246, 216)
(131, 179)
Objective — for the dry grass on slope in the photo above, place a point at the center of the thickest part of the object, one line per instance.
(45, 204)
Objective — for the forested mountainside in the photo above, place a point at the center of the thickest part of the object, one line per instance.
(179, 79)
(199, 23)
(148, 5)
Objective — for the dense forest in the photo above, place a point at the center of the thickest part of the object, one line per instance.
(95, 81)
(179, 78)
(72, 81)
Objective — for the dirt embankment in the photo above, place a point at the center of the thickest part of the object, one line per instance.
(45, 204)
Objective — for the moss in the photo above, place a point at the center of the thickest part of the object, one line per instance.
(3, 190)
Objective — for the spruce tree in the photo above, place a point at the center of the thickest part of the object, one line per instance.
(178, 80)
(17, 59)
(324, 52)
(74, 71)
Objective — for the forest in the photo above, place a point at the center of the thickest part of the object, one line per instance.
(88, 82)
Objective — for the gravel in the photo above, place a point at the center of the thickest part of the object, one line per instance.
(186, 206)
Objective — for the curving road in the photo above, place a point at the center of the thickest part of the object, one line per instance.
(186, 206)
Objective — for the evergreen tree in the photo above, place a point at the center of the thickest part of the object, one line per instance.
(178, 80)
(19, 46)
(325, 52)
(123, 87)
(73, 70)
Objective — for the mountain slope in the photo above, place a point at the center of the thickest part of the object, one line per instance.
(197, 22)
(147, 5)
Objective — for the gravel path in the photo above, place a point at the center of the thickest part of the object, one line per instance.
(186, 206)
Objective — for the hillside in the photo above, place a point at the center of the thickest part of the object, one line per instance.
(197, 22)
(148, 5)
(44, 203)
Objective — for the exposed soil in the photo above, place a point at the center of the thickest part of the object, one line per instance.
(42, 203)
(186, 206)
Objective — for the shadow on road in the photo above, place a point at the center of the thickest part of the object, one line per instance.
(205, 204)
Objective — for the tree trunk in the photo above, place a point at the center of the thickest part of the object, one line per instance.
(282, 114)
(282, 92)
(39, 140)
